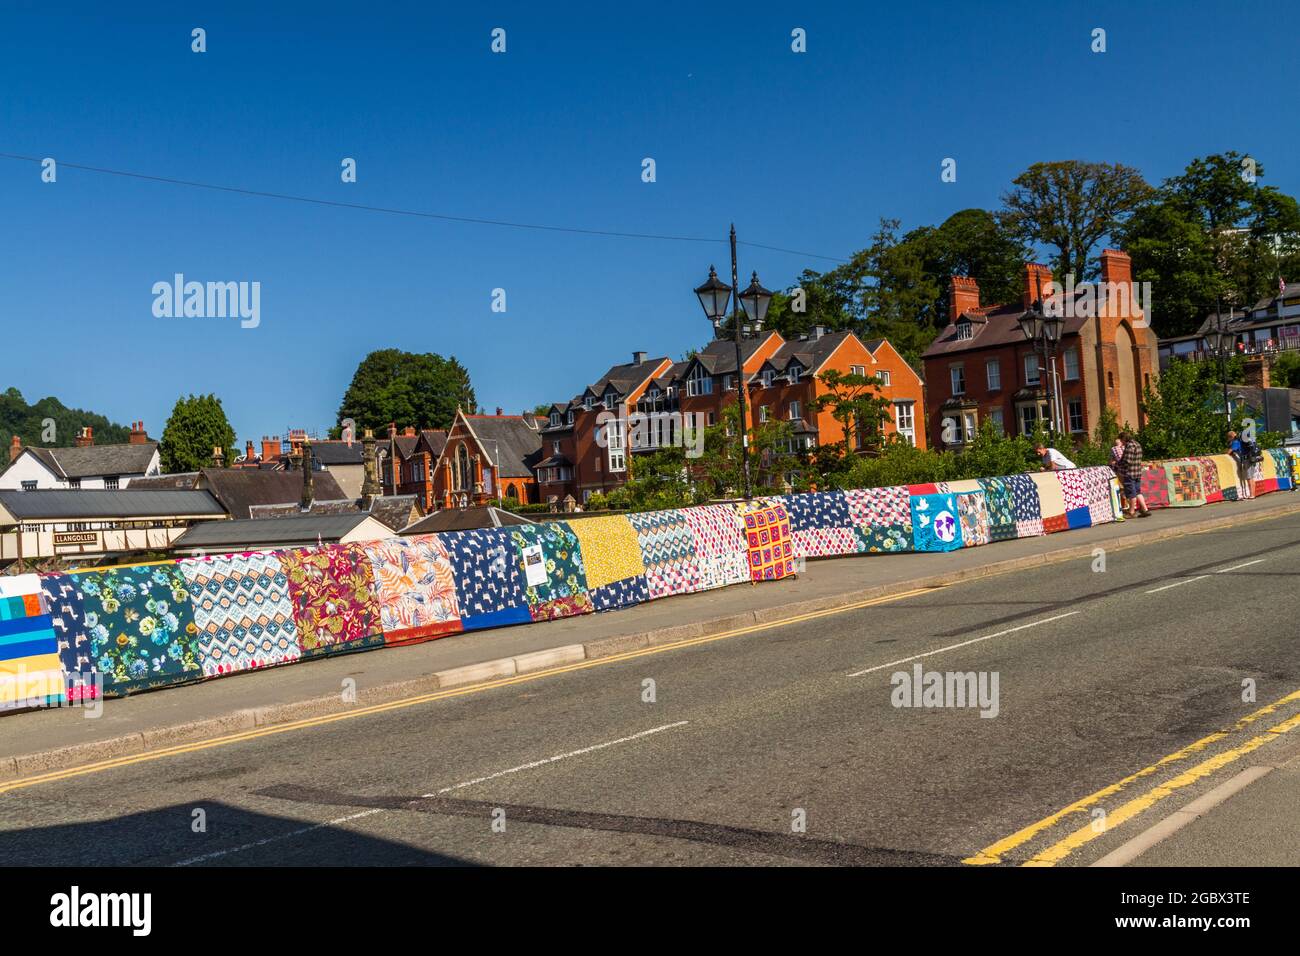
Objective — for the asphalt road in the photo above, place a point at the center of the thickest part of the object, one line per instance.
(772, 748)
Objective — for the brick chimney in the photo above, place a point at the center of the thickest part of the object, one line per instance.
(270, 448)
(1257, 370)
(963, 296)
(499, 413)
(15, 448)
(370, 485)
(1037, 279)
(138, 435)
(85, 437)
(218, 457)
(249, 454)
(1116, 266)
(408, 432)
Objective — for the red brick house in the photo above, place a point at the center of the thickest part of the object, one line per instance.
(486, 457)
(982, 368)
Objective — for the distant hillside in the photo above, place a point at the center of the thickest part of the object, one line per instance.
(28, 422)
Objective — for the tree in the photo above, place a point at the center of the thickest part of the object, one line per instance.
(408, 389)
(49, 422)
(1184, 415)
(197, 425)
(974, 243)
(855, 401)
(1071, 206)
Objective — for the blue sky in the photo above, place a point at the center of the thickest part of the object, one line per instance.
(818, 146)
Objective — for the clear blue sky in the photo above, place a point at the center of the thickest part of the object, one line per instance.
(821, 145)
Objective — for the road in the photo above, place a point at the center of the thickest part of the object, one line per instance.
(777, 747)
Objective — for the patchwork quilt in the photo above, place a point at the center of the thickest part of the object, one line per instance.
(1025, 504)
(817, 509)
(1225, 468)
(720, 550)
(31, 672)
(1000, 507)
(767, 541)
(560, 588)
(668, 551)
(1284, 464)
(1184, 484)
(67, 607)
(881, 518)
(333, 598)
(935, 523)
(973, 512)
(1087, 496)
(489, 578)
(612, 559)
(1155, 486)
(1051, 501)
(141, 626)
(415, 588)
(242, 611)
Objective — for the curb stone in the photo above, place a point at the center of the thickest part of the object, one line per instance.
(537, 661)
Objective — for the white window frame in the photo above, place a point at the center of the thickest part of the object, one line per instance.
(793, 374)
(1030, 363)
(993, 374)
(700, 382)
(1071, 375)
(555, 419)
(1069, 415)
(794, 410)
(998, 419)
(905, 420)
(957, 379)
(858, 370)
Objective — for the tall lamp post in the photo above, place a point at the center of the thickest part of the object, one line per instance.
(1044, 331)
(1221, 342)
(713, 296)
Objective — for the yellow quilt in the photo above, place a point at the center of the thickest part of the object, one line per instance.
(610, 551)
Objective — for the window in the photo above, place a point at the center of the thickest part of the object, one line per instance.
(74, 482)
(587, 402)
(768, 376)
(963, 329)
(968, 426)
(700, 382)
(957, 375)
(617, 454)
(793, 373)
(111, 482)
(995, 417)
(1075, 412)
(762, 413)
(555, 448)
(794, 410)
(993, 373)
(609, 401)
(885, 378)
(728, 382)
(1028, 418)
(1031, 369)
(570, 417)
(1071, 365)
(713, 419)
(1110, 379)
(858, 370)
(905, 421)
(555, 419)
(29, 486)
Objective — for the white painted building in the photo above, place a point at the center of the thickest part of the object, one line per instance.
(85, 466)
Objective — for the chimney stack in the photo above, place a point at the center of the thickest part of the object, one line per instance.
(249, 455)
(638, 358)
(498, 411)
(138, 435)
(1116, 267)
(85, 437)
(963, 296)
(270, 448)
(308, 491)
(409, 432)
(370, 486)
(218, 457)
(392, 430)
(15, 448)
(1037, 279)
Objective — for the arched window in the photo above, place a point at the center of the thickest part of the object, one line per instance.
(512, 492)
(463, 474)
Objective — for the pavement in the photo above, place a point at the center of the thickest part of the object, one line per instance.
(1114, 701)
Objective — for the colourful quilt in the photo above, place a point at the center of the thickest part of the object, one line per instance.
(826, 542)
(974, 515)
(67, 607)
(489, 578)
(767, 540)
(1051, 501)
(415, 588)
(668, 551)
(625, 593)
(1024, 501)
(1155, 486)
(1209, 479)
(817, 509)
(1284, 464)
(1087, 495)
(562, 592)
(935, 523)
(1116, 505)
(242, 610)
(1184, 482)
(882, 518)
(333, 598)
(610, 551)
(141, 625)
(1269, 480)
(720, 550)
(1000, 507)
(31, 671)
(1225, 467)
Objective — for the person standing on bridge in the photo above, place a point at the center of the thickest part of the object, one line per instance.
(1052, 459)
(1131, 468)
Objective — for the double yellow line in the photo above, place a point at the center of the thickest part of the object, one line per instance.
(128, 760)
(1058, 851)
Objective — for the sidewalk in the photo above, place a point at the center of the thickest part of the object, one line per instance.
(40, 741)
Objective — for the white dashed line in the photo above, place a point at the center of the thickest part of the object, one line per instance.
(953, 647)
(1237, 567)
(1166, 587)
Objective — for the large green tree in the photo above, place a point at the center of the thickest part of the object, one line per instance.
(197, 425)
(406, 388)
(1071, 206)
(49, 422)
(974, 243)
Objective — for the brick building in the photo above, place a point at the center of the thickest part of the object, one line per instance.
(982, 368)
(486, 457)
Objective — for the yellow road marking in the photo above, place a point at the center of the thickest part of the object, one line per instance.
(178, 749)
(1059, 851)
(994, 852)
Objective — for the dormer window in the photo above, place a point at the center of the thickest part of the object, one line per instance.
(700, 382)
(964, 330)
(609, 400)
(793, 374)
(570, 416)
(768, 376)
(555, 419)
(587, 402)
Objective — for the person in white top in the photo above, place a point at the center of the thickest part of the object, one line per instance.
(1053, 460)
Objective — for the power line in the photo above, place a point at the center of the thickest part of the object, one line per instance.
(390, 210)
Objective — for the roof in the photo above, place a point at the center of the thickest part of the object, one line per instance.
(337, 452)
(508, 441)
(238, 489)
(1253, 396)
(628, 376)
(465, 519)
(125, 503)
(719, 356)
(997, 326)
(270, 531)
(809, 353)
(93, 460)
(393, 511)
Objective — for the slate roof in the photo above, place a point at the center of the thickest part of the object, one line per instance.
(465, 519)
(810, 353)
(999, 325)
(125, 503)
(719, 356)
(337, 452)
(509, 441)
(94, 460)
(393, 511)
(269, 531)
(240, 488)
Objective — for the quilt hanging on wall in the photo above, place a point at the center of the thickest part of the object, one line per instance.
(881, 518)
(974, 515)
(555, 584)
(668, 551)
(489, 579)
(333, 597)
(767, 540)
(31, 671)
(1000, 507)
(1024, 499)
(720, 550)
(1155, 486)
(1051, 501)
(141, 627)
(67, 608)
(1183, 479)
(415, 588)
(935, 523)
(612, 559)
(242, 610)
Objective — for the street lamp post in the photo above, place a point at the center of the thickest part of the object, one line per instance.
(1044, 331)
(714, 295)
(1221, 341)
